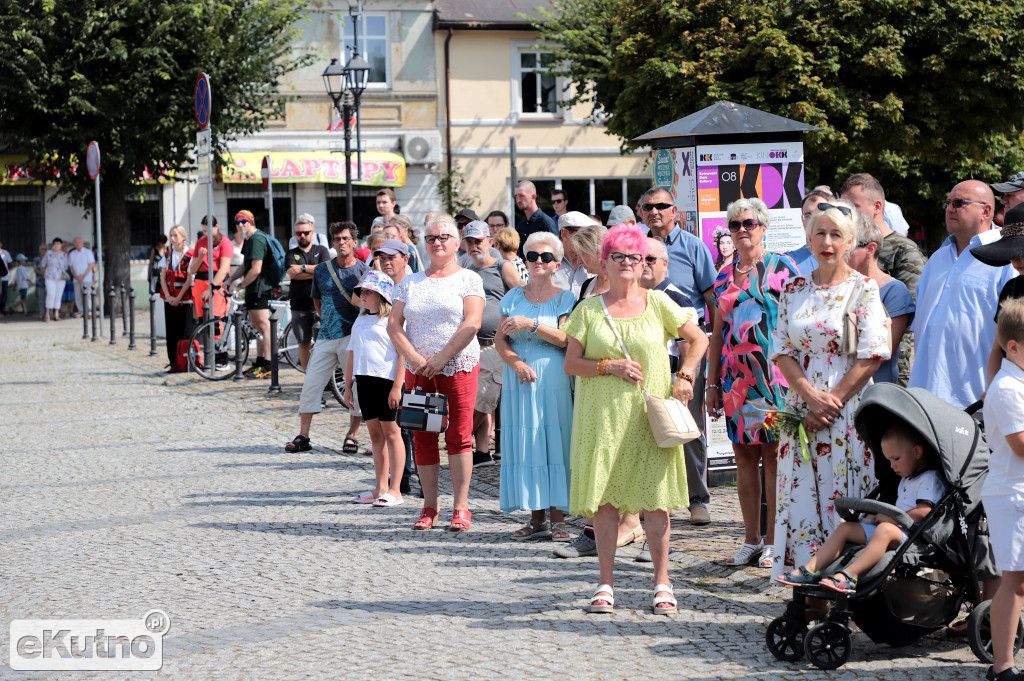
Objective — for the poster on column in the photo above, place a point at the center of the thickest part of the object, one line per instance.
(772, 172)
(676, 170)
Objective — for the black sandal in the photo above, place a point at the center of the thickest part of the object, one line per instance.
(299, 444)
(351, 446)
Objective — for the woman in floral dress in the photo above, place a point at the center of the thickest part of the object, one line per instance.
(742, 382)
(826, 384)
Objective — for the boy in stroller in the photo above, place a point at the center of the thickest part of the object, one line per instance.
(920, 489)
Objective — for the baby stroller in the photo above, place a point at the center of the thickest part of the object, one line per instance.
(918, 587)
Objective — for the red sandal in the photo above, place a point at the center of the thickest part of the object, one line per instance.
(460, 520)
(427, 518)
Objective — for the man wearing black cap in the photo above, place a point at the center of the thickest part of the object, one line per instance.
(1012, 192)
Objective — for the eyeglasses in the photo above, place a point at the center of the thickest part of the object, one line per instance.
(557, 200)
(749, 224)
(343, 237)
(303, 233)
(842, 209)
(634, 258)
(534, 256)
(959, 203)
(433, 238)
(655, 206)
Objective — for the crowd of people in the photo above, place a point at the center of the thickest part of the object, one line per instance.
(62, 278)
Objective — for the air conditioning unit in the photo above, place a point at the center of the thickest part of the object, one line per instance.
(422, 148)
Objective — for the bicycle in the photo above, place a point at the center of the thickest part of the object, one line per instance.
(218, 334)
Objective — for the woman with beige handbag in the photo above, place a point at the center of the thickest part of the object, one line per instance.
(617, 465)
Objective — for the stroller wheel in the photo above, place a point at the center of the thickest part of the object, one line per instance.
(828, 645)
(979, 633)
(785, 639)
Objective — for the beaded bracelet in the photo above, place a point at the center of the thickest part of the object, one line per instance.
(536, 325)
(683, 374)
(602, 367)
(712, 385)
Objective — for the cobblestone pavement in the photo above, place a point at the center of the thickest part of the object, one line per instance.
(126, 489)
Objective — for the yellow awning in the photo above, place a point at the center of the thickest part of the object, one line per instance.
(380, 168)
(17, 172)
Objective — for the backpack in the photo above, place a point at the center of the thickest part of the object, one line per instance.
(273, 268)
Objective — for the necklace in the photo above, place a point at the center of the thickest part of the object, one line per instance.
(530, 296)
(736, 265)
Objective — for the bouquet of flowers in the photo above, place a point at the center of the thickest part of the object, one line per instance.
(787, 422)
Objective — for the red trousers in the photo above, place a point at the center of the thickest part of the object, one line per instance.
(461, 392)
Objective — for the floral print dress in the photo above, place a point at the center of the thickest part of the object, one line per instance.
(751, 384)
(810, 329)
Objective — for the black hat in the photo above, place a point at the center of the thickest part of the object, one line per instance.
(1014, 184)
(466, 213)
(1010, 246)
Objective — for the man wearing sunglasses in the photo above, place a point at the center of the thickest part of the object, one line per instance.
(957, 297)
(691, 270)
(536, 220)
(559, 203)
(499, 277)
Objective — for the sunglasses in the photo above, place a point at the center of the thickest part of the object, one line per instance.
(651, 259)
(828, 206)
(656, 206)
(557, 200)
(534, 256)
(749, 224)
(634, 258)
(241, 222)
(433, 238)
(959, 203)
(299, 233)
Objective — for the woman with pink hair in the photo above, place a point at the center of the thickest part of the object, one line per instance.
(617, 467)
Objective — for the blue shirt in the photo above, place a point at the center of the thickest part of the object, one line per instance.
(336, 312)
(690, 266)
(954, 328)
(804, 259)
(897, 301)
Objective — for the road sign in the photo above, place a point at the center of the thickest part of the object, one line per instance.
(204, 144)
(203, 103)
(265, 172)
(92, 160)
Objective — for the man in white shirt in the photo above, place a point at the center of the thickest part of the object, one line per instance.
(82, 262)
(572, 273)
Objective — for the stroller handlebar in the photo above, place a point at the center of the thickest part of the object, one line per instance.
(851, 508)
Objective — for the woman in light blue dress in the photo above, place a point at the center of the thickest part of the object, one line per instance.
(536, 399)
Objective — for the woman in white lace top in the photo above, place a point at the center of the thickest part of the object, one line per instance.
(433, 324)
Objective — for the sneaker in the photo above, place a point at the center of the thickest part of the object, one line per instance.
(581, 546)
(482, 459)
(699, 516)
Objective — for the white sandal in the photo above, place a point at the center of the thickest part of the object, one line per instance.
(747, 554)
(604, 593)
(658, 600)
(767, 557)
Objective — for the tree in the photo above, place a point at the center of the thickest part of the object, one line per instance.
(920, 94)
(452, 188)
(122, 72)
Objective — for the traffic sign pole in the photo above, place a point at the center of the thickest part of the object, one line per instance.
(92, 164)
(203, 99)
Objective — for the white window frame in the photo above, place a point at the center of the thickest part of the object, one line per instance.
(518, 47)
(346, 55)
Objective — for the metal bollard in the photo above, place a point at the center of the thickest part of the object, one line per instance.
(124, 310)
(131, 319)
(86, 305)
(93, 291)
(275, 387)
(113, 315)
(152, 325)
(236, 321)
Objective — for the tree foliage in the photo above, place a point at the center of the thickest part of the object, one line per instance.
(921, 93)
(122, 72)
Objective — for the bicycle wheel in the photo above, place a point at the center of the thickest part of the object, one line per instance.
(288, 350)
(336, 384)
(223, 366)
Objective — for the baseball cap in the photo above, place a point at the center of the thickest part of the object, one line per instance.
(476, 230)
(393, 247)
(620, 215)
(20, 256)
(468, 214)
(1014, 184)
(574, 218)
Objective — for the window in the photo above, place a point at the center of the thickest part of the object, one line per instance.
(252, 198)
(143, 211)
(373, 45)
(538, 90)
(21, 214)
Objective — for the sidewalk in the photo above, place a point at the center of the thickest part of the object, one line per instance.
(126, 489)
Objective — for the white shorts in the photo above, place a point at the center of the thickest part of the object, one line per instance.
(1006, 529)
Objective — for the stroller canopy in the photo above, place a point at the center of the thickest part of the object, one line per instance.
(952, 433)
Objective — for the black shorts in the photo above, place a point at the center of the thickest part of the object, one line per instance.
(302, 325)
(254, 302)
(373, 398)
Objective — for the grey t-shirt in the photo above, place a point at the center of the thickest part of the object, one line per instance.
(494, 290)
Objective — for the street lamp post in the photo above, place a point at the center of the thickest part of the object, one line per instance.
(345, 86)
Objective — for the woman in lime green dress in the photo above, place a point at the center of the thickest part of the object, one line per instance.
(617, 467)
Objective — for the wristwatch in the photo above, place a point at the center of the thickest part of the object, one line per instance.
(303, 267)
